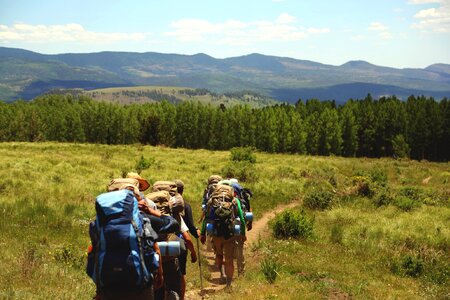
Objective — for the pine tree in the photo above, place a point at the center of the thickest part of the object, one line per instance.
(349, 129)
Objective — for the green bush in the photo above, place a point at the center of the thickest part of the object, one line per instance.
(243, 154)
(412, 192)
(364, 186)
(143, 164)
(320, 199)
(270, 269)
(379, 176)
(286, 172)
(242, 170)
(408, 265)
(405, 204)
(383, 197)
(292, 224)
(337, 233)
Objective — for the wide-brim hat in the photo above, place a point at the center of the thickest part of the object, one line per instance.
(143, 183)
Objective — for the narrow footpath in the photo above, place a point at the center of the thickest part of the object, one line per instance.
(260, 230)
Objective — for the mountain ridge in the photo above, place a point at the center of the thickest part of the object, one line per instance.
(266, 74)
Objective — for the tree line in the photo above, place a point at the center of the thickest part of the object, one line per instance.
(418, 128)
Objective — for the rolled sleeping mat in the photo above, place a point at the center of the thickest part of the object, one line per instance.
(171, 248)
(210, 228)
(249, 216)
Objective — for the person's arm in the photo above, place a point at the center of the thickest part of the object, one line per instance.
(159, 276)
(144, 207)
(189, 220)
(188, 241)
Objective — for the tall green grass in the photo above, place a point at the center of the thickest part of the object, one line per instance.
(358, 247)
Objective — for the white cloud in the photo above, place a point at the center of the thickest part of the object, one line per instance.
(233, 32)
(377, 26)
(357, 38)
(424, 1)
(385, 35)
(63, 33)
(285, 18)
(435, 19)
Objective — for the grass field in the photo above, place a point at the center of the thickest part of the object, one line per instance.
(381, 226)
(149, 94)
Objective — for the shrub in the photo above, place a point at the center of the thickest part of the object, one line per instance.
(143, 164)
(383, 197)
(363, 186)
(412, 192)
(66, 256)
(318, 199)
(243, 154)
(286, 172)
(412, 266)
(337, 232)
(242, 170)
(379, 176)
(409, 266)
(404, 203)
(270, 269)
(291, 224)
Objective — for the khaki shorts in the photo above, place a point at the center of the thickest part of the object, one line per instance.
(224, 247)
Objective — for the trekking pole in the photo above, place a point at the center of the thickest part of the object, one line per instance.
(200, 266)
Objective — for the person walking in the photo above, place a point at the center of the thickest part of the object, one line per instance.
(221, 211)
(189, 221)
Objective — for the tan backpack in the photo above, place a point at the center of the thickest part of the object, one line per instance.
(168, 186)
(177, 204)
(161, 199)
(223, 192)
(124, 183)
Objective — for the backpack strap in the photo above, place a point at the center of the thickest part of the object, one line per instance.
(96, 257)
(141, 250)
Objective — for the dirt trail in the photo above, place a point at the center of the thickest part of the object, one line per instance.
(259, 230)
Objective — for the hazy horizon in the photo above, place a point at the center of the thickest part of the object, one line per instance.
(399, 33)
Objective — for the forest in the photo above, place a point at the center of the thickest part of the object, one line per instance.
(418, 128)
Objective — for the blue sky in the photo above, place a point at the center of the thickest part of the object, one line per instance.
(395, 33)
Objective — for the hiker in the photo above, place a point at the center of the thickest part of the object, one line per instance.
(189, 221)
(212, 182)
(113, 244)
(245, 207)
(221, 210)
(172, 204)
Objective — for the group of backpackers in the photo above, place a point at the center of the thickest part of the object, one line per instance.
(225, 218)
(139, 242)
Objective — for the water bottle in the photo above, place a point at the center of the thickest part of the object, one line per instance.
(171, 248)
(249, 216)
(237, 229)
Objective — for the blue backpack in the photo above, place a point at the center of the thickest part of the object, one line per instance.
(123, 256)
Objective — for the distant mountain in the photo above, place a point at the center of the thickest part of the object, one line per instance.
(26, 74)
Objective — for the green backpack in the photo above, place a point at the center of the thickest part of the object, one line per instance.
(222, 211)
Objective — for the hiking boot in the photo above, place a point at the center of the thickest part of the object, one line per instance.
(228, 287)
(222, 279)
